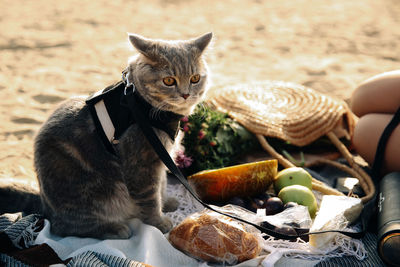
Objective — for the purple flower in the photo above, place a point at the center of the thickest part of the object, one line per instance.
(201, 134)
(186, 127)
(185, 119)
(182, 160)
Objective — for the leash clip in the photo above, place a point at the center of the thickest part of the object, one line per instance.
(128, 84)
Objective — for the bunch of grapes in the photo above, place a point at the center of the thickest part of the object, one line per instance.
(272, 205)
(270, 202)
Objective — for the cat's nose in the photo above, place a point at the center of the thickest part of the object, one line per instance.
(185, 96)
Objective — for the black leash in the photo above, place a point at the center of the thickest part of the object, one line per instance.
(134, 106)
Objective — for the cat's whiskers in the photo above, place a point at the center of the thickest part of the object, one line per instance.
(181, 103)
(202, 105)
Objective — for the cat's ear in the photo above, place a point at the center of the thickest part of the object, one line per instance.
(202, 42)
(143, 45)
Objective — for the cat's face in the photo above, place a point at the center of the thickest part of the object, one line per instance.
(170, 75)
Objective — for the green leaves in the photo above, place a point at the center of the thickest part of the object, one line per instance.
(213, 140)
(223, 137)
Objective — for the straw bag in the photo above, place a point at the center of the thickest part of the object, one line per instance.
(296, 114)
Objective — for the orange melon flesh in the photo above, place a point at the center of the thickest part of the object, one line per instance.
(222, 184)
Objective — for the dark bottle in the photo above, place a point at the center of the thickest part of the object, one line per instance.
(389, 219)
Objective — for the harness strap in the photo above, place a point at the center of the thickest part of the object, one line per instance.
(105, 120)
(112, 116)
(158, 147)
(380, 150)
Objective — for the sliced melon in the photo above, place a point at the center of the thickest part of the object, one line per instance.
(239, 180)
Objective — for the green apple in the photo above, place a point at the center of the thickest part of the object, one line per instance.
(291, 176)
(301, 195)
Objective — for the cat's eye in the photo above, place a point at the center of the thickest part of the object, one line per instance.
(195, 78)
(169, 81)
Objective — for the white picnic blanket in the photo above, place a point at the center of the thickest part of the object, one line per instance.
(147, 245)
(150, 246)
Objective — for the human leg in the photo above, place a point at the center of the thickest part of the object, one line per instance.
(379, 94)
(367, 133)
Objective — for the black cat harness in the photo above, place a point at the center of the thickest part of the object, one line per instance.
(133, 109)
(112, 115)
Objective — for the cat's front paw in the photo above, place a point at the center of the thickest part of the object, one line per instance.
(117, 231)
(170, 204)
(165, 224)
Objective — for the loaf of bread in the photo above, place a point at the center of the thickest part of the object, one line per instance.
(214, 238)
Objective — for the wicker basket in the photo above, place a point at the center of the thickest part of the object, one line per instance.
(296, 114)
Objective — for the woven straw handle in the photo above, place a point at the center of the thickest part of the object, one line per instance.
(356, 171)
(365, 180)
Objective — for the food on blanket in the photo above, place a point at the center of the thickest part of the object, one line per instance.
(259, 203)
(301, 195)
(297, 175)
(270, 203)
(250, 203)
(253, 204)
(273, 206)
(284, 229)
(241, 180)
(214, 238)
(335, 212)
(291, 176)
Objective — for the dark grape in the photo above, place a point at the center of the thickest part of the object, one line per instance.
(273, 206)
(259, 203)
(251, 205)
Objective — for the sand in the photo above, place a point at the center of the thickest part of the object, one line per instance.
(52, 50)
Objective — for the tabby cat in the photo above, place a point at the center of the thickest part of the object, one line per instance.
(85, 189)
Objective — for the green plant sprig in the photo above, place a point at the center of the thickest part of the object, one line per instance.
(213, 140)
